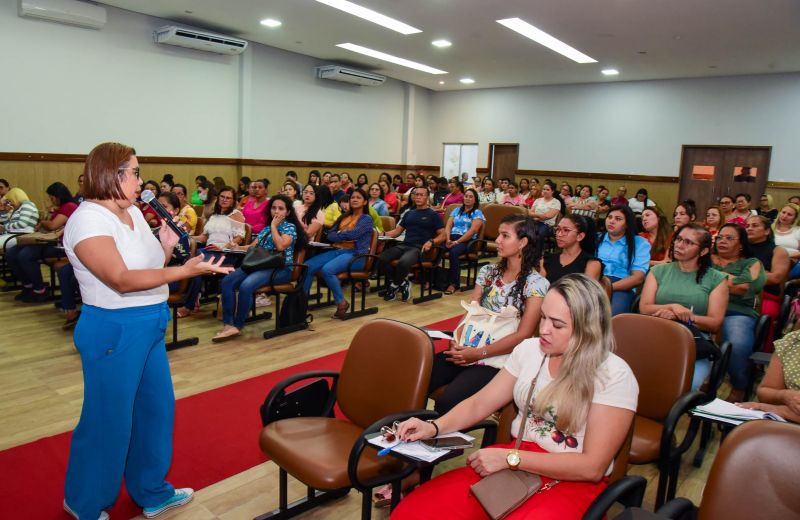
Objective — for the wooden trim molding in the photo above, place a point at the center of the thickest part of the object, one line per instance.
(599, 176)
(227, 161)
(784, 185)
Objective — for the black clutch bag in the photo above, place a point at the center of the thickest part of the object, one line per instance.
(258, 258)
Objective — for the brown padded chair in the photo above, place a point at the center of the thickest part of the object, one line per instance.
(605, 281)
(389, 223)
(384, 378)
(175, 300)
(295, 284)
(661, 354)
(754, 475)
(494, 213)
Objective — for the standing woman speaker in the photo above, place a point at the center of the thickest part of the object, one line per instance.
(126, 422)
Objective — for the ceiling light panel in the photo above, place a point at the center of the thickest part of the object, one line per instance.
(610, 72)
(391, 59)
(542, 38)
(371, 16)
(270, 22)
(441, 43)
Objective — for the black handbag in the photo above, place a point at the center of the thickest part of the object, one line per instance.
(258, 258)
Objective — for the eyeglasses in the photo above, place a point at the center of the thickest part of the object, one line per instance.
(563, 231)
(727, 238)
(135, 171)
(681, 240)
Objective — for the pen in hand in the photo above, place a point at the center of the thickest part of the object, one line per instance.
(691, 309)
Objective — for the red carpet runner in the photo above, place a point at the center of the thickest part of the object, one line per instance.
(216, 436)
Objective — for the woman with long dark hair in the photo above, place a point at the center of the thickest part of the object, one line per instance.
(350, 235)
(314, 178)
(282, 233)
(309, 212)
(244, 189)
(655, 229)
(461, 228)
(575, 237)
(625, 255)
(688, 290)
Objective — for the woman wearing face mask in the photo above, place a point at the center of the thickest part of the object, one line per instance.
(281, 234)
(657, 233)
(207, 194)
(689, 290)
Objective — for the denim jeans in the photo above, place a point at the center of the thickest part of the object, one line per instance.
(235, 309)
(795, 272)
(454, 273)
(702, 367)
(740, 330)
(621, 301)
(330, 263)
(24, 263)
(68, 283)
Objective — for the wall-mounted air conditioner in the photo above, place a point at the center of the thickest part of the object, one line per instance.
(203, 41)
(348, 75)
(70, 12)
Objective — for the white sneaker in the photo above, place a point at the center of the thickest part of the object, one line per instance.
(262, 300)
(103, 514)
(182, 496)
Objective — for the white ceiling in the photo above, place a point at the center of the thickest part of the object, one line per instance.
(644, 39)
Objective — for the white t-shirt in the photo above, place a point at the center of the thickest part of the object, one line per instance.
(222, 229)
(637, 206)
(138, 248)
(615, 386)
(788, 241)
(541, 206)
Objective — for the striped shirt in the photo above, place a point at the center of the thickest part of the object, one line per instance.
(24, 219)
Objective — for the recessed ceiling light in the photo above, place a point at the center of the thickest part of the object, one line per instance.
(371, 16)
(610, 72)
(388, 57)
(467, 81)
(270, 22)
(441, 43)
(542, 38)
(441, 83)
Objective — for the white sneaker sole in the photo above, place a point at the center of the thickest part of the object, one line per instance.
(173, 505)
(103, 514)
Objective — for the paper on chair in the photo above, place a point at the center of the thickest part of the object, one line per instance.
(416, 450)
(437, 334)
(728, 412)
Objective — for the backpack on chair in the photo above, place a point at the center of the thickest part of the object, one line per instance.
(294, 310)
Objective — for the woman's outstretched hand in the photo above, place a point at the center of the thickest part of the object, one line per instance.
(197, 266)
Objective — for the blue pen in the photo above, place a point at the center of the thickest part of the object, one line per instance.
(691, 309)
(385, 451)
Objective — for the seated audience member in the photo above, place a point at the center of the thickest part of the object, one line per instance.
(585, 401)
(795, 199)
(291, 175)
(525, 188)
(351, 235)
(575, 237)
(603, 202)
(186, 216)
(424, 230)
(218, 183)
(224, 229)
(314, 178)
(244, 189)
(688, 290)
(786, 230)
(18, 215)
(78, 198)
(207, 194)
(400, 186)
(620, 199)
(657, 233)
(488, 195)
(326, 179)
(639, 202)
(152, 186)
(534, 195)
(24, 260)
(362, 182)
(149, 214)
(512, 196)
(346, 183)
(290, 190)
(4, 187)
(335, 185)
(626, 257)
(741, 210)
(309, 211)
(513, 281)
(389, 196)
(726, 207)
(713, 221)
(503, 188)
(279, 235)
(566, 192)
(376, 199)
(546, 209)
(334, 211)
(180, 254)
(195, 199)
(685, 213)
(455, 195)
(745, 278)
(766, 207)
(776, 264)
(256, 207)
(583, 204)
(167, 182)
(779, 391)
(462, 227)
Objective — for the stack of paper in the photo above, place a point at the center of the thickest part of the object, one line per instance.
(416, 450)
(724, 411)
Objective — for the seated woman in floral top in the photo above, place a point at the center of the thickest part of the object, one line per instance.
(779, 392)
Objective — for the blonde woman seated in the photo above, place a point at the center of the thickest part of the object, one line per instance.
(18, 215)
(779, 392)
(583, 405)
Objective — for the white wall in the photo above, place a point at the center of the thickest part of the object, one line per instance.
(65, 89)
(627, 127)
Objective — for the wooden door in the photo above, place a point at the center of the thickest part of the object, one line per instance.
(709, 172)
(503, 160)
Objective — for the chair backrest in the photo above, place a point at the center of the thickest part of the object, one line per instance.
(299, 258)
(762, 331)
(605, 281)
(389, 223)
(199, 226)
(248, 233)
(373, 246)
(386, 370)
(494, 213)
(448, 210)
(661, 354)
(755, 474)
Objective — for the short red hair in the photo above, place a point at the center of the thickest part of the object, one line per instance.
(101, 179)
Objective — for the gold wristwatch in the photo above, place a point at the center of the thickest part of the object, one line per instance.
(513, 459)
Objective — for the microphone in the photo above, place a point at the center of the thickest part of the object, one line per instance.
(152, 201)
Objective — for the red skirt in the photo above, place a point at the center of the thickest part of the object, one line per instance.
(448, 497)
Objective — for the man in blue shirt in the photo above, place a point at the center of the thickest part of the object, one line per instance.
(424, 229)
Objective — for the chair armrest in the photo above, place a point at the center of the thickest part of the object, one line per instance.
(303, 271)
(718, 370)
(682, 406)
(361, 443)
(629, 491)
(280, 389)
(677, 509)
(355, 258)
